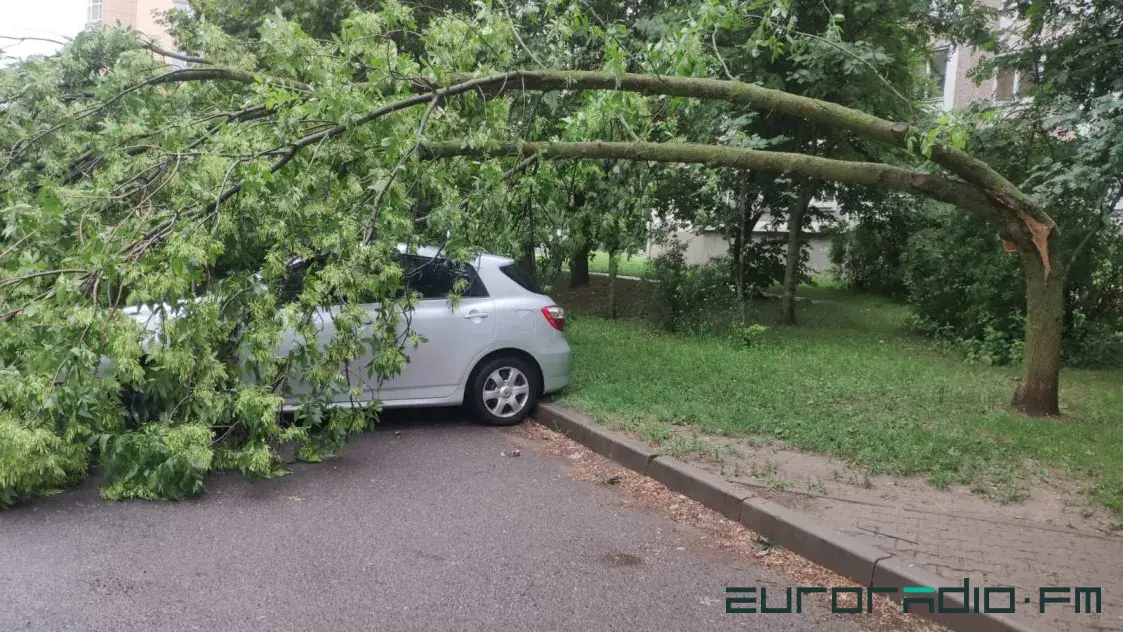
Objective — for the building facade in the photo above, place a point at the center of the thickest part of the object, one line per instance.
(142, 15)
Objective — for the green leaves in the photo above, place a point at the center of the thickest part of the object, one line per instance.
(35, 461)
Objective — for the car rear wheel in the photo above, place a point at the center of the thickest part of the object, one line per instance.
(504, 391)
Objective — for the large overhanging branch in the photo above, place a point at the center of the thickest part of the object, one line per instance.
(1014, 213)
(767, 100)
(871, 173)
(751, 95)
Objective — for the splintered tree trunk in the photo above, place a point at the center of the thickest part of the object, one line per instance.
(1037, 392)
(612, 267)
(579, 267)
(795, 249)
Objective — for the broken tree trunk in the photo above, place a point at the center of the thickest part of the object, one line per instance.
(1037, 392)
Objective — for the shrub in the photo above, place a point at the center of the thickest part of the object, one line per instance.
(868, 256)
(764, 263)
(751, 335)
(688, 297)
(966, 290)
(963, 287)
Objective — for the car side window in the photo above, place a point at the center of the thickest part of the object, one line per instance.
(436, 278)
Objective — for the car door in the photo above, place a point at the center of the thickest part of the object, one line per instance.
(454, 336)
(298, 386)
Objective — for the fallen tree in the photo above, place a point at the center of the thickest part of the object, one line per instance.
(191, 191)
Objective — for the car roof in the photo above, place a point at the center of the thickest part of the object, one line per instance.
(484, 259)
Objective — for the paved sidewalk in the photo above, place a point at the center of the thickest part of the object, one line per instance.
(988, 549)
(1050, 539)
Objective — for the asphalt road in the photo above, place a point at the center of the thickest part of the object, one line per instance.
(432, 529)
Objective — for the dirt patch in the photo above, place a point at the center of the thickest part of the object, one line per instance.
(721, 535)
(634, 299)
(1049, 499)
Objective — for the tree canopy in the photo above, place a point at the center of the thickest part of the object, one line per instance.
(191, 192)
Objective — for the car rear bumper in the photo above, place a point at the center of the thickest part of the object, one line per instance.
(553, 359)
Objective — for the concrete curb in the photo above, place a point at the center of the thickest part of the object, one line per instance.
(827, 547)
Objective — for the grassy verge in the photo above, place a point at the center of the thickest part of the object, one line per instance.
(635, 266)
(850, 381)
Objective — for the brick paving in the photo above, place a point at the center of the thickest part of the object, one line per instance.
(989, 549)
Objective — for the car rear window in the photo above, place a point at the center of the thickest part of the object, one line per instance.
(520, 276)
(436, 278)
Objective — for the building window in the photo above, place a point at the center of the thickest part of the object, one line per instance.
(93, 13)
(1006, 84)
(1014, 83)
(937, 71)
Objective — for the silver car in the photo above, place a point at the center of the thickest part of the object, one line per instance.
(498, 350)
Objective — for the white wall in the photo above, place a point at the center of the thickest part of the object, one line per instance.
(700, 248)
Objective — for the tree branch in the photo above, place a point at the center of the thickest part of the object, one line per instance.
(368, 234)
(915, 182)
(215, 73)
(833, 115)
(152, 46)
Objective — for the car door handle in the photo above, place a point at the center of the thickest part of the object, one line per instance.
(475, 314)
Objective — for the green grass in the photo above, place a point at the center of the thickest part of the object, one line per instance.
(635, 266)
(850, 381)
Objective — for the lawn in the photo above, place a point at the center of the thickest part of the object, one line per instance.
(635, 266)
(852, 382)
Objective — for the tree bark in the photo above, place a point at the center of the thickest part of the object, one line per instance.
(745, 227)
(579, 267)
(735, 248)
(795, 251)
(1037, 393)
(613, 262)
(529, 260)
(939, 188)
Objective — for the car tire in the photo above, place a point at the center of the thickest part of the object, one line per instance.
(503, 391)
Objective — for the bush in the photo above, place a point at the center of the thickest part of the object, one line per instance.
(35, 461)
(764, 263)
(963, 287)
(966, 290)
(687, 297)
(751, 335)
(868, 256)
(1100, 346)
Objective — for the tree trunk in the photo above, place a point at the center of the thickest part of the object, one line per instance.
(613, 260)
(529, 260)
(795, 249)
(740, 280)
(744, 233)
(1037, 392)
(579, 267)
(735, 248)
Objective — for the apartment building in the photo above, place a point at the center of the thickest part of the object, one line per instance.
(141, 15)
(950, 67)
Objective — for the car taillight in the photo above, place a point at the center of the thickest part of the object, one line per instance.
(555, 316)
